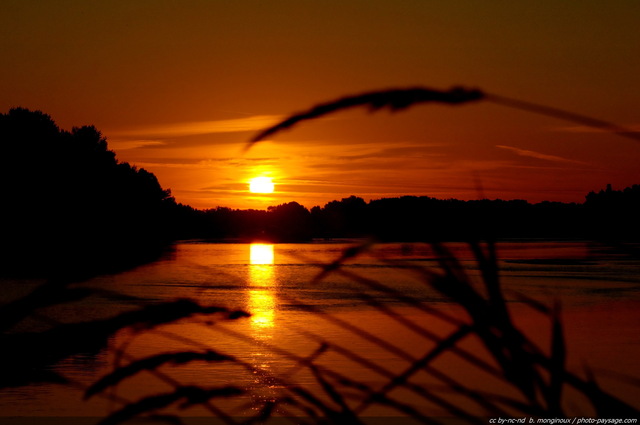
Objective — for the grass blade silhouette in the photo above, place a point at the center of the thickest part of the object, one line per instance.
(149, 363)
(557, 361)
(399, 99)
(393, 99)
(563, 115)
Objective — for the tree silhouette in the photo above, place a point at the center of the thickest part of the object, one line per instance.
(290, 222)
(70, 207)
(617, 211)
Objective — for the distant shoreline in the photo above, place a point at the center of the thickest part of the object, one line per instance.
(338, 241)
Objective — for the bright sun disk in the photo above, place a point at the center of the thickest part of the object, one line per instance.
(261, 185)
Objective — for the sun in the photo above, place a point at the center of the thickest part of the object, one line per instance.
(261, 185)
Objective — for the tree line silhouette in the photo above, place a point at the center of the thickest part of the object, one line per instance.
(70, 205)
(609, 214)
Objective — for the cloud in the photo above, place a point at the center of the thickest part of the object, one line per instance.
(632, 129)
(538, 155)
(252, 123)
(373, 152)
(122, 145)
(225, 162)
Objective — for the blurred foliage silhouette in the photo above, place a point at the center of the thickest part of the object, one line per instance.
(537, 378)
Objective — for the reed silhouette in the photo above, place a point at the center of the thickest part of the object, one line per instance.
(403, 98)
(537, 376)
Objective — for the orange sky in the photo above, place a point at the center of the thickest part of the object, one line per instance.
(179, 87)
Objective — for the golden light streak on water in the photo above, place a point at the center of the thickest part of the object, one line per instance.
(262, 296)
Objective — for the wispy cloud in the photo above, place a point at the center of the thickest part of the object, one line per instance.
(122, 145)
(633, 129)
(538, 155)
(195, 163)
(252, 123)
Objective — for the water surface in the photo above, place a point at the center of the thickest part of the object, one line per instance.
(293, 315)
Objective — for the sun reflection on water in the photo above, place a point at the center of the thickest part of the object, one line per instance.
(261, 254)
(262, 299)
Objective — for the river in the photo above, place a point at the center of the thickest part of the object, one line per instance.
(341, 316)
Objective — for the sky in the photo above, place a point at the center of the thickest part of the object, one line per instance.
(178, 88)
